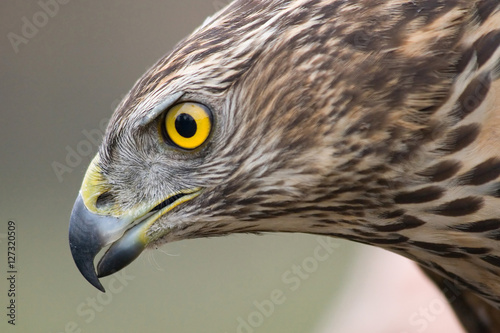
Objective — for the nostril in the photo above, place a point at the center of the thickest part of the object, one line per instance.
(104, 200)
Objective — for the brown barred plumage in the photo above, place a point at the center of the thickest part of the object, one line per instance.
(376, 121)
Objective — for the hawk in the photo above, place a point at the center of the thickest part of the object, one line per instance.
(376, 121)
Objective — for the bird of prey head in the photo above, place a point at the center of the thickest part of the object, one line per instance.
(373, 120)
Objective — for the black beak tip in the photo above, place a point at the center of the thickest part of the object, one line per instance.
(84, 244)
(85, 263)
(89, 233)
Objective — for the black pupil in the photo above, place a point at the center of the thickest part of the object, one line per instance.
(185, 125)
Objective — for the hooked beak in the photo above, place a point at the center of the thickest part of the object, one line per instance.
(93, 227)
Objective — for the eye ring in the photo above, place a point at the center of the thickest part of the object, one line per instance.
(187, 125)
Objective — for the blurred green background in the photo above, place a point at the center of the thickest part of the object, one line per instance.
(63, 70)
(63, 78)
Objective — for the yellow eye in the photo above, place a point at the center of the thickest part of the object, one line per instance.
(188, 125)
